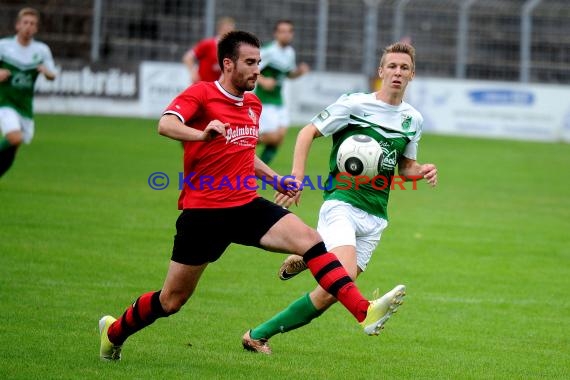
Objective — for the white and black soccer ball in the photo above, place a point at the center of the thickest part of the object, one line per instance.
(359, 155)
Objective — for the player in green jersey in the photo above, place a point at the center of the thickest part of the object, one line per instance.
(351, 221)
(278, 62)
(22, 60)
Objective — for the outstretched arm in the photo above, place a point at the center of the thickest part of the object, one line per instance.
(302, 147)
(411, 169)
(287, 186)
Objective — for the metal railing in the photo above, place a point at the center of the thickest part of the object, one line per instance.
(513, 40)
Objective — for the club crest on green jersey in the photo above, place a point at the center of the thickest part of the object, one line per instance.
(406, 122)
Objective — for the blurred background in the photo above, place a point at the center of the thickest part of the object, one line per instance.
(480, 39)
(520, 42)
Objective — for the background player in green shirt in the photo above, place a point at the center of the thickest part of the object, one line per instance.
(278, 62)
(351, 221)
(22, 60)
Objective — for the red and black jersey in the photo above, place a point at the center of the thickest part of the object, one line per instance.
(206, 52)
(218, 173)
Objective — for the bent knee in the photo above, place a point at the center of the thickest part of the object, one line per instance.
(311, 237)
(171, 307)
(322, 300)
(305, 239)
(327, 299)
(172, 304)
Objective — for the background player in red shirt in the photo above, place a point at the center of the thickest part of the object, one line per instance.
(202, 59)
(218, 123)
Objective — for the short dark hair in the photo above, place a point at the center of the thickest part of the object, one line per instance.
(228, 46)
(281, 21)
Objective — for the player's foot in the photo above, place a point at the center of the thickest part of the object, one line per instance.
(381, 309)
(292, 266)
(255, 345)
(108, 350)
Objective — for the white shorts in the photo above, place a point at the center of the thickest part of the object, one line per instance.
(343, 224)
(11, 121)
(272, 118)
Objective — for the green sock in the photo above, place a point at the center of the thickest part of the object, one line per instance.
(297, 314)
(4, 144)
(268, 153)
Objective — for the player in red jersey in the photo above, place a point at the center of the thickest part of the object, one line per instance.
(218, 123)
(202, 59)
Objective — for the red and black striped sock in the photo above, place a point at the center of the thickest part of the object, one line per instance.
(331, 275)
(143, 312)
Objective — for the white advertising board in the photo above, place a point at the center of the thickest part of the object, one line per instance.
(141, 93)
(308, 95)
(160, 82)
(88, 90)
(469, 108)
(492, 109)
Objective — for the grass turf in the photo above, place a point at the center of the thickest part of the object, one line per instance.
(484, 256)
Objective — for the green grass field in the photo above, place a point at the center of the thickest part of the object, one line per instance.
(485, 257)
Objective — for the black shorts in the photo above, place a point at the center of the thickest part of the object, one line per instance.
(203, 234)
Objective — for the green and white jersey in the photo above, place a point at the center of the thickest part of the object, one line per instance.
(396, 128)
(17, 91)
(276, 62)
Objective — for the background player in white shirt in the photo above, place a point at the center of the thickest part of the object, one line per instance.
(278, 62)
(22, 59)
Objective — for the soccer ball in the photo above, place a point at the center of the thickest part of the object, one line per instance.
(359, 155)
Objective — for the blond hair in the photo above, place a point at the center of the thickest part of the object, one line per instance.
(28, 12)
(225, 21)
(399, 47)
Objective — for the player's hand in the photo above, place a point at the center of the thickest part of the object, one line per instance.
(429, 173)
(45, 71)
(303, 68)
(288, 186)
(4, 74)
(267, 83)
(213, 129)
(286, 201)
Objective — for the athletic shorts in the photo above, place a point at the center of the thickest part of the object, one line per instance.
(203, 234)
(11, 121)
(272, 118)
(343, 224)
